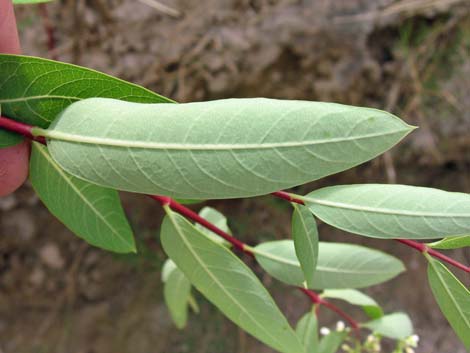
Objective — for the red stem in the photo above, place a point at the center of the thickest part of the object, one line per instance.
(186, 212)
(316, 299)
(410, 243)
(20, 128)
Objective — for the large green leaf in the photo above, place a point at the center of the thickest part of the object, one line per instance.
(453, 298)
(228, 283)
(176, 292)
(339, 265)
(219, 149)
(392, 211)
(355, 297)
(462, 241)
(305, 235)
(397, 326)
(91, 212)
(307, 331)
(35, 90)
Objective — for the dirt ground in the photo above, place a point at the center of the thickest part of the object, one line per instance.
(411, 57)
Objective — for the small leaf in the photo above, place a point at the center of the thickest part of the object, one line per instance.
(355, 297)
(220, 149)
(307, 331)
(453, 298)
(91, 212)
(305, 235)
(35, 90)
(168, 267)
(462, 241)
(217, 219)
(397, 326)
(339, 265)
(176, 292)
(392, 211)
(332, 341)
(228, 283)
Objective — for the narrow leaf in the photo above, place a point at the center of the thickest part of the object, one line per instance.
(217, 219)
(332, 341)
(397, 326)
(91, 212)
(453, 298)
(339, 265)
(305, 235)
(228, 283)
(220, 149)
(355, 297)
(176, 292)
(462, 241)
(392, 211)
(35, 90)
(307, 331)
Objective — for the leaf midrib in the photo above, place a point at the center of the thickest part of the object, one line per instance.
(319, 267)
(388, 211)
(216, 281)
(103, 141)
(80, 194)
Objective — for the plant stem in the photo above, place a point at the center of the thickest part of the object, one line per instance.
(421, 247)
(20, 128)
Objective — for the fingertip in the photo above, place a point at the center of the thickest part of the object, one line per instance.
(14, 166)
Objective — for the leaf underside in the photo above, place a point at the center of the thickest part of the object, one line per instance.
(339, 265)
(392, 211)
(218, 149)
(396, 326)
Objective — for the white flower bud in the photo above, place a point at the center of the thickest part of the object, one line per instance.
(325, 331)
(340, 326)
(346, 348)
(409, 350)
(371, 338)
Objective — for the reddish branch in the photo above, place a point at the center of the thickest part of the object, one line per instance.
(186, 212)
(20, 128)
(410, 243)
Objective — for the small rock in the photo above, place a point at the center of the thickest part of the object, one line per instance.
(50, 256)
(7, 203)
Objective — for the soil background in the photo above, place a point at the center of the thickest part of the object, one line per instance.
(411, 57)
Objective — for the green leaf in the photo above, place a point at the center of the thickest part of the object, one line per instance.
(219, 149)
(355, 297)
(217, 219)
(397, 326)
(392, 211)
(307, 331)
(176, 292)
(35, 90)
(8, 139)
(452, 297)
(91, 212)
(332, 341)
(339, 265)
(20, 2)
(227, 282)
(462, 241)
(305, 235)
(168, 267)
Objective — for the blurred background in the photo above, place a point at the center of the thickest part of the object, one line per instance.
(410, 57)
